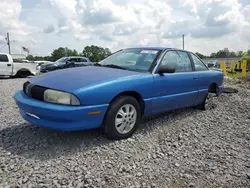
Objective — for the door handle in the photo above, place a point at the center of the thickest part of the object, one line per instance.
(8, 65)
(195, 78)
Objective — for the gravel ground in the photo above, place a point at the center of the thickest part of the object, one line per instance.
(185, 148)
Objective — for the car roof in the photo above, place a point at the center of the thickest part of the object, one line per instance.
(75, 57)
(158, 48)
(149, 48)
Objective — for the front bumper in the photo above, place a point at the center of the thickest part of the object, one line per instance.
(59, 117)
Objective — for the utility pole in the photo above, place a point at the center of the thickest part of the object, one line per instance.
(8, 42)
(183, 41)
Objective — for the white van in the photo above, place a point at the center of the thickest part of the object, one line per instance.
(8, 68)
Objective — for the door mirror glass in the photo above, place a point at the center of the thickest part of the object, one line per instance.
(166, 69)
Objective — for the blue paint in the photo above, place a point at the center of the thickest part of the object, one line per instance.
(96, 87)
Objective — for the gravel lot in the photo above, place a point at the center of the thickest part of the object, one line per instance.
(185, 148)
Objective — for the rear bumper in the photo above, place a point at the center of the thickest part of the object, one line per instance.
(59, 117)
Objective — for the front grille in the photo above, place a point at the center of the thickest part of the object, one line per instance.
(34, 91)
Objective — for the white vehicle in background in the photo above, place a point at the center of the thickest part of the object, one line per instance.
(39, 64)
(8, 68)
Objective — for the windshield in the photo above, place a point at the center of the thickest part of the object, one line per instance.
(132, 59)
(62, 60)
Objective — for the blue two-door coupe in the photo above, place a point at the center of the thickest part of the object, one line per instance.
(118, 91)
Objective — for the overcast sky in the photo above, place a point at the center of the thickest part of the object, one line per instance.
(43, 25)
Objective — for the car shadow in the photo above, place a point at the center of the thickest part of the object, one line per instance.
(39, 143)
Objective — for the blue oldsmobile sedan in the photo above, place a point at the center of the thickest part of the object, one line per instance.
(118, 91)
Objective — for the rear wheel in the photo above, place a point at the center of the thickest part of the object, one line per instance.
(122, 118)
(207, 102)
(22, 74)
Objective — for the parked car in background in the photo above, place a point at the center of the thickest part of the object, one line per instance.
(65, 62)
(213, 63)
(117, 92)
(9, 68)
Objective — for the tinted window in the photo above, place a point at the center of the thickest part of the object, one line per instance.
(73, 60)
(4, 58)
(198, 65)
(179, 60)
(83, 60)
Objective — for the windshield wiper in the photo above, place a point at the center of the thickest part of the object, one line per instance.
(115, 66)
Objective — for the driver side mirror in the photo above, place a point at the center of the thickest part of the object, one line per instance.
(166, 69)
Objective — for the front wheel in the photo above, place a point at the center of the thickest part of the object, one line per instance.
(122, 118)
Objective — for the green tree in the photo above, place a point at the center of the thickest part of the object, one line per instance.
(200, 55)
(95, 53)
(248, 52)
(232, 54)
(240, 53)
(213, 55)
(58, 53)
(30, 58)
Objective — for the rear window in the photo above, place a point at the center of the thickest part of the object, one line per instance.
(4, 58)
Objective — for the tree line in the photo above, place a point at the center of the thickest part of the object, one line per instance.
(225, 53)
(94, 53)
(97, 53)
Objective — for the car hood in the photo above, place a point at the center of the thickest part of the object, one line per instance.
(50, 64)
(73, 79)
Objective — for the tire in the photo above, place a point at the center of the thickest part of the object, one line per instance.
(207, 102)
(129, 122)
(23, 74)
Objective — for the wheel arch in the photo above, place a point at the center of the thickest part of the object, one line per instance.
(23, 70)
(134, 94)
(212, 88)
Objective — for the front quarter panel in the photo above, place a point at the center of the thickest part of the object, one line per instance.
(103, 93)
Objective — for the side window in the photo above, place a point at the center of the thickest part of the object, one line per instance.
(185, 63)
(73, 60)
(198, 65)
(83, 60)
(4, 58)
(179, 60)
(170, 58)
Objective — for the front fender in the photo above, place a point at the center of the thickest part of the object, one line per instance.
(103, 93)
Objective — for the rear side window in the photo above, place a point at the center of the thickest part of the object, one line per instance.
(4, 58)
(83, 60)
(198, 64)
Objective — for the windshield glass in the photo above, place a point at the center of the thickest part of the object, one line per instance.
(132, 59)
(62, 60)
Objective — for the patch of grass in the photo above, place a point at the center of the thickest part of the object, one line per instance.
(236, 75)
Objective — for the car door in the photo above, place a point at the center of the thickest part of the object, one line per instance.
(178, 89)
(5, 65)
(203, 74)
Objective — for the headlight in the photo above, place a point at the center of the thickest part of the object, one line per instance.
(59, 97)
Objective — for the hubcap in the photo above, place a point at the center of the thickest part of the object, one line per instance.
(125, 118)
